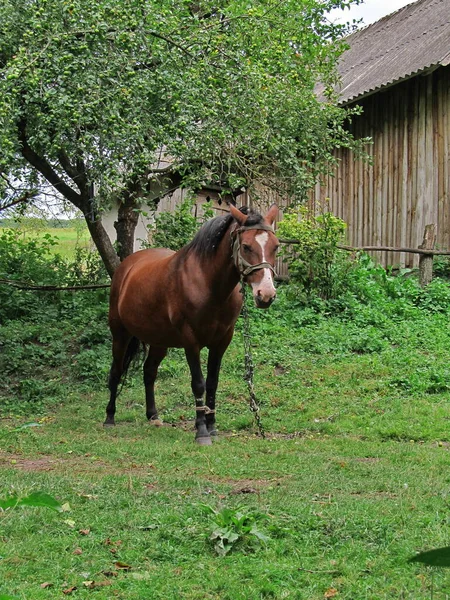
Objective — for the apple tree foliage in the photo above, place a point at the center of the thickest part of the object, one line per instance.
(93, 95)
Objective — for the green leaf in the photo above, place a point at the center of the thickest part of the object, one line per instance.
(221, 548)
(439, 557)
(259, 534)
(27, 426)
(39, 499)
(8, 502)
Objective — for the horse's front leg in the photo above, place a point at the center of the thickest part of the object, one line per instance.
(212, 381)
(202, 436)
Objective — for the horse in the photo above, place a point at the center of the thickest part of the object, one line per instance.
(190, 299)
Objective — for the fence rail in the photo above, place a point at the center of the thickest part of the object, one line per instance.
(23, 285)
(426, 252)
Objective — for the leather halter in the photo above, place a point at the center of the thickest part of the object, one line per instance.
(243, 266)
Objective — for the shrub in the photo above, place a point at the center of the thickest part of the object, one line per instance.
(175, 229)
(315, 263)
(441, 266)
(47, 337)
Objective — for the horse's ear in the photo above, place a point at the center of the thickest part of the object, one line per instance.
(237, 215)
(272, 214)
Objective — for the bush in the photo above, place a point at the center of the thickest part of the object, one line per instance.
(47, 338)
(332, 282)
(315, 263)
(176, 229)
(441, 266)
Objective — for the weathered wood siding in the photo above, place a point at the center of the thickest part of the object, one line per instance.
(408, 184)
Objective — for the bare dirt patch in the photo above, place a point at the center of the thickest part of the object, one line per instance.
(76, 464)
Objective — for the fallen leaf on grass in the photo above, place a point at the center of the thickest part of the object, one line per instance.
(70, 523)
(84, 531)
(70, 590)
(46, 585)
(77, 551)
(91, 585)
(110, 542)
(141, 576)
(122, 566)
(244, 490)
(66, 507)
(331, 593)
(110, 573)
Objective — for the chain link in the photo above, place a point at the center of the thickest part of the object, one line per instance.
(248, 362)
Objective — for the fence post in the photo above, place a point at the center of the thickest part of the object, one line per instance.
(426, 260)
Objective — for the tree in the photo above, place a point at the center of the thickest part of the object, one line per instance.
(91, 94)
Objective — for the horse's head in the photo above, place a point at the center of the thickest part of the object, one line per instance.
(254, 249)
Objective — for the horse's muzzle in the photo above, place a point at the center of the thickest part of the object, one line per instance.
(261, 302)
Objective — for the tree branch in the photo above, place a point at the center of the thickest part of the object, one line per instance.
(26, 197)
(45, 169)
(75, 173)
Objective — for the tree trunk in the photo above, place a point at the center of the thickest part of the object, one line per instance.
(103, 244)
(125, 225)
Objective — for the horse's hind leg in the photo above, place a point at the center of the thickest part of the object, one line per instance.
(154, 358)
(119, 350)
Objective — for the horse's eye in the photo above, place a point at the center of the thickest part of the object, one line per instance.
(247, 248)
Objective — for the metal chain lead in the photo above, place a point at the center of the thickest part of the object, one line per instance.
(249, 366)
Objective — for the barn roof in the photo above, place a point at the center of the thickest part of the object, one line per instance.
(411, 40)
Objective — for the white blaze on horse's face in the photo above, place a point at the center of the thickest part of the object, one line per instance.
(261, 280)
(257, 250)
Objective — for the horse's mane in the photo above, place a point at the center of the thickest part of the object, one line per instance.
(209, 236)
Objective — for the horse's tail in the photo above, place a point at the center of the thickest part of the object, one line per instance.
(132, 354)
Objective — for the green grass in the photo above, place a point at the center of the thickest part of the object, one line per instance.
(67, 239)
(354, 476)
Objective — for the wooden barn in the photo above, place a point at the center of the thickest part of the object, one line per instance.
(398, 71)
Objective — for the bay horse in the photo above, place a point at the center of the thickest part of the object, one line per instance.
(190, 299)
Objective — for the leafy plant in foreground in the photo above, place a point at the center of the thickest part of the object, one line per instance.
(438, 557)
(35, 499)
(235, 526)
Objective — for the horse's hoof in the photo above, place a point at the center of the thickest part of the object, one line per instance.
(203, 441)
(109, 424)
(156, 422)
(213, 432)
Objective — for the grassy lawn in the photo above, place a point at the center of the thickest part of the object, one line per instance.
(66, 239)
(353, 479)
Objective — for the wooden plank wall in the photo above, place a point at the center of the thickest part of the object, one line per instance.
(408, 185)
